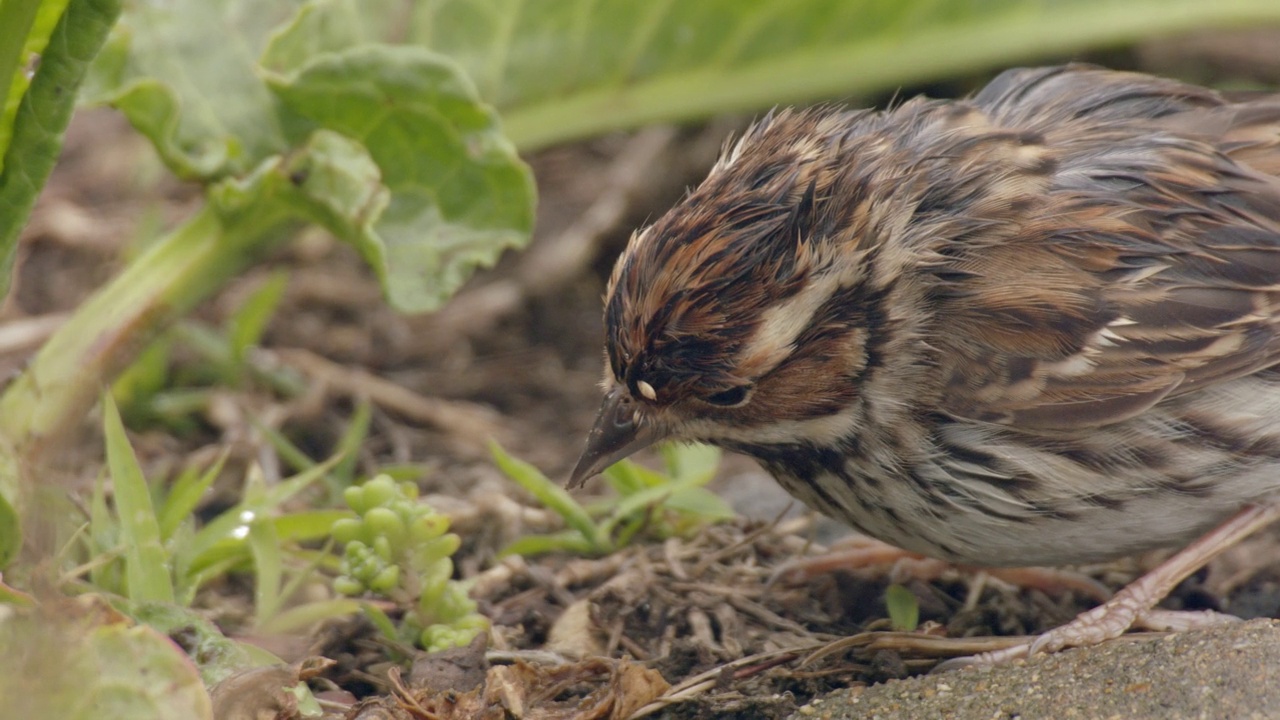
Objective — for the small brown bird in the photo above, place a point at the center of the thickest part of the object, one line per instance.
(1034, 327)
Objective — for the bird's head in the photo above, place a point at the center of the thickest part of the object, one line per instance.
(743, 316)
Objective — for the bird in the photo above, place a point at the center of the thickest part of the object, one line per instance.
(1039, 325)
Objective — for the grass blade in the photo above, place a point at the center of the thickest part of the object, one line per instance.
(552, 496)
(185, 495)
(147, 563)
(268, 570)
(344, 473)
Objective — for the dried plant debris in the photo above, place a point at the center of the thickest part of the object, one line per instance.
(706, 615)
(593, 689)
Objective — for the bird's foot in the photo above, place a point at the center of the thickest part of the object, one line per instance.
(1135, 604)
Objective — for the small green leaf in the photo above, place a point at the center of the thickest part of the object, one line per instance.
(632, 505)
(344, 473)
(684, 492)
(145, 377)
(380, 620)
(291, 454)
(268, 569)
(551, 495)
(147, 563)
(700, 502)
(222, 540)
(904, 609)
(630, 527)
(298, 619)
(307, 525)
(625, 477)
(280, 492)
(567, 541)
(205, 341)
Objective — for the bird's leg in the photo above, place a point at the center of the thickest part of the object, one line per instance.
(1135, 603)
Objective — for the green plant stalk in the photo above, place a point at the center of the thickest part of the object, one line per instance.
(16, 20)
(110, 328)
(864, 65)
(105, 334)
(31, 132)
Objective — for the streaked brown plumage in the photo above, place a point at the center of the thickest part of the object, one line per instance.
(1038, 326)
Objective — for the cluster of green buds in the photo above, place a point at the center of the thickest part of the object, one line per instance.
(400, 548)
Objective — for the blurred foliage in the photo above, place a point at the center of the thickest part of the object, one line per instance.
(80, 660)
(145, 545)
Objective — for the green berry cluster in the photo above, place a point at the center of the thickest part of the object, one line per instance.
(400, 548)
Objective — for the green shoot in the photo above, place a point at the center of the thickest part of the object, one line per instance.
(904, 609)
(149, 551)
(554, 497)
(662, 504)
(184, 495)
(401, 549)
(146, 561)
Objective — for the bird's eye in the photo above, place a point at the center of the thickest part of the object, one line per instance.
(729, 398)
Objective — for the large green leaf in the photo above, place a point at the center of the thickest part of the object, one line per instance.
(459, 194)
(565, 69)
(184, 73)
(80, 660)
(455, 192)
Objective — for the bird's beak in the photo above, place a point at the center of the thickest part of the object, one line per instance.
(620, 430)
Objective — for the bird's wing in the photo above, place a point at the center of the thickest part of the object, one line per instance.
(1144, 262)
